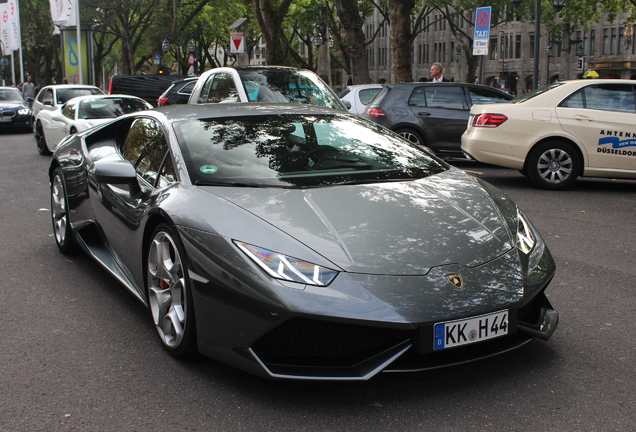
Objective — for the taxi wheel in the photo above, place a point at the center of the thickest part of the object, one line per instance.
(553, 165)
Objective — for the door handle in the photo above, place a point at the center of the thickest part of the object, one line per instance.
(423, 114)
(583, 118)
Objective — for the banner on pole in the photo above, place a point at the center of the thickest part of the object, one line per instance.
(14, 26)
(4, 28)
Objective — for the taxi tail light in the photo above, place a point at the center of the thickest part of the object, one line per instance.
(162, 101)
(489, 120)
(375, 112)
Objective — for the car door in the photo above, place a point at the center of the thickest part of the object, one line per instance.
(121, 209)
(443, 114)
(57, 128)
(602, 117)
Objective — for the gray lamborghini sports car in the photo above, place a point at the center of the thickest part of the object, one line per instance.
(301, 242)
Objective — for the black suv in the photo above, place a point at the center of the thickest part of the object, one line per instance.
(431, 114)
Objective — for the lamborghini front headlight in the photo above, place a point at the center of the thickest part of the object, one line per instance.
(287, 268)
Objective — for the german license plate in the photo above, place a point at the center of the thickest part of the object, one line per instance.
(466, 331)
(5, 119)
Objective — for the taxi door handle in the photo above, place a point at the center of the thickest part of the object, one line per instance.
(423, 114)
(583, 118)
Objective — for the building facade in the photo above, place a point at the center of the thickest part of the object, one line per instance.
(606, 48)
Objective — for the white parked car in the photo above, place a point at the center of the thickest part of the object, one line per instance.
(559, 132)
(81, 113)
(51, 97)
(277, 84)
(359, 96)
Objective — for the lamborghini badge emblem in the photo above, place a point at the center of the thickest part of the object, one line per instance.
(455, 279)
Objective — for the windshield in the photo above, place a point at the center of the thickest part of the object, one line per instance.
(10, 95)
(287, 85)
(297, 151)
(110, 108)
(64, 94)
(536, 92)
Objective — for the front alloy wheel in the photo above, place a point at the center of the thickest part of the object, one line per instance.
(169, 294)
(40, 140)
(553, 165)
(59, 214)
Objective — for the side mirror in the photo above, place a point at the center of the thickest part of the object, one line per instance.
(346, 103)
(47, 103)
(117, 172)
(114, 172)
(29, 100)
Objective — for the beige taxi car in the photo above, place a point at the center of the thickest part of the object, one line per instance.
(559, 132)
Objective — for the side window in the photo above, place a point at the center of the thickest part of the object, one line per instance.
(46, 95)
(484, 96)
(187, 89)
(203, 96)
(68, 111)
(418, 98)
(444, 96)
(147, 149)
(367, 95)
(574, 101)
(610, 97)
(222, 89)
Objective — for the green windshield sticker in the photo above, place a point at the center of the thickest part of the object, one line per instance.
(208, 169)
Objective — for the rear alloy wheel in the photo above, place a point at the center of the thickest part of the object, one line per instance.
(169, 294)
(59, 214)
(553, 165)
(40, 140)
(411, 136)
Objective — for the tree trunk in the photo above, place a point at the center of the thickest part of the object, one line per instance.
(269, 21)
(352, 23)
(401, 39)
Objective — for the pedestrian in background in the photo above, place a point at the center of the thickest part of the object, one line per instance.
(436, 73)
(28, 88)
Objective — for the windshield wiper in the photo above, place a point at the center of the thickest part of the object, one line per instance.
(371, 181)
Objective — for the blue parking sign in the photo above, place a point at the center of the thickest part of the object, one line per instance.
(482, 23)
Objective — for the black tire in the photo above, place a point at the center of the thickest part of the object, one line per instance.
(553, 165)
(62, 231)
(40, 140)
(411, 136)
(169, 292)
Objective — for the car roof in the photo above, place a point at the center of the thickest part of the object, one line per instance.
(70, 86)
(188, 111)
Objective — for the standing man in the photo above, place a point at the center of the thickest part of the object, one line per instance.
(28, 88)
(436, 73)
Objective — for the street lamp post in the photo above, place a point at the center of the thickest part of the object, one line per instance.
(557, 5)
(549, 50)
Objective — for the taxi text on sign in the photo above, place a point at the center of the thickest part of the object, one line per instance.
(482, 31)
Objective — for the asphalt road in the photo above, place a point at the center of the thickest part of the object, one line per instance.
(78, 352)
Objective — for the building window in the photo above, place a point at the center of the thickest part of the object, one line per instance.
(621, 46)
(592, 42)
(518, 46)
(613, 42)
(493, 49)
(531, 45)
(606, 42)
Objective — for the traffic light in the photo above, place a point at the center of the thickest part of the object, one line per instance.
(579, 63)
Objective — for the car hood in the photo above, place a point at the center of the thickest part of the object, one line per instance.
(403, 228)
(12, 105)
